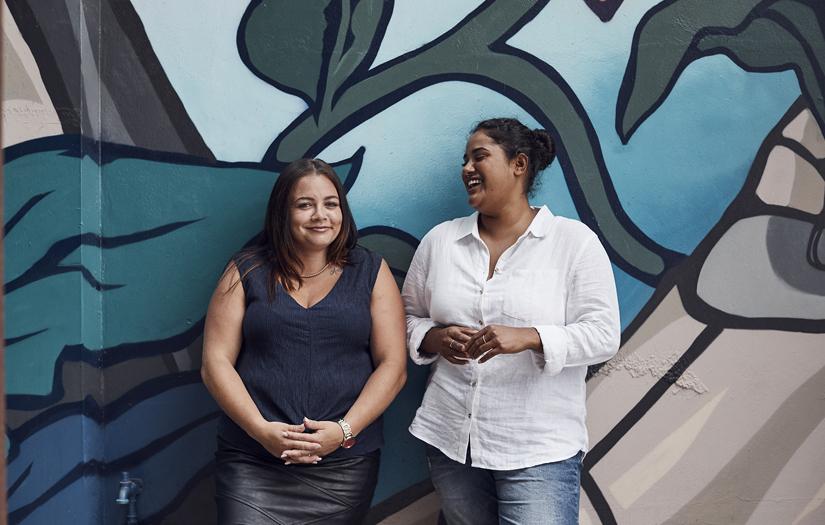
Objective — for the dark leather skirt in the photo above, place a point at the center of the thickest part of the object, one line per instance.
(250, 490)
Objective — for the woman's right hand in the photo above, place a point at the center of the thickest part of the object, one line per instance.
(274, 438)
(449, 342)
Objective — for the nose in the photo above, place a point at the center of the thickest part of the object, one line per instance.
(318, 212)
(467, 168)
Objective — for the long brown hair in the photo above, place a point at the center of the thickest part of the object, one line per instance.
(275, 247)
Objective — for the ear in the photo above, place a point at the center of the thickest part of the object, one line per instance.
(519, 163)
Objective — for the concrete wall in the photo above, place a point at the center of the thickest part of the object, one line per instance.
(141, 140)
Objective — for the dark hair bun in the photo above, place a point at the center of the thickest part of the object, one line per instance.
(545, 150)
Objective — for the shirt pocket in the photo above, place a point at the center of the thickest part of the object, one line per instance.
(534, 297)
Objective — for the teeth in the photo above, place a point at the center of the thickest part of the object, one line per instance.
(473, 182)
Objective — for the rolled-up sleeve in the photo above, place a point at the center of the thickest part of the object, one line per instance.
(592, 333)
(416, 303)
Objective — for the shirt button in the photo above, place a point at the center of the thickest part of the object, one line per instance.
(497, 270)
(470, 415)
(473, 383)
(480, 322)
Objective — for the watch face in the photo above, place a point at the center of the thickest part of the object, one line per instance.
(349, 443)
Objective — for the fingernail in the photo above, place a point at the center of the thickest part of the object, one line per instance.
(283, 455)
(285, 434)
(288, 463)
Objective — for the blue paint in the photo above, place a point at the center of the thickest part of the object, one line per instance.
(237, 114)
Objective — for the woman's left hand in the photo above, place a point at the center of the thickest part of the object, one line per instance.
(495, 339)
(328, 434)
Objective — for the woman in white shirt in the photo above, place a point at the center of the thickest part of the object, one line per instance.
(510, 304)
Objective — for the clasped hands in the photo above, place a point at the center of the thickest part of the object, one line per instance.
(293, 444)
(459, 344)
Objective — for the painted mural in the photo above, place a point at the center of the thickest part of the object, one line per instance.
(141, 139)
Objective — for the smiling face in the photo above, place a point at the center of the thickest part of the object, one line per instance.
(491, 179)
(315, 213)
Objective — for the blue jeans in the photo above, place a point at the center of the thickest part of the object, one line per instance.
(543, 494)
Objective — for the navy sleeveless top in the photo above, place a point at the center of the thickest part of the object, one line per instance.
(312, 362)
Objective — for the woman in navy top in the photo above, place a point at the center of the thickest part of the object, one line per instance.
(304, 348)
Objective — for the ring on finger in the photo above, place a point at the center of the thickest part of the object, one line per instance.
(451, 344)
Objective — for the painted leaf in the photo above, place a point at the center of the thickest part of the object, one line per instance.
(663, 45)
(395, 246)
(285, 43)
(369, 19)
(137, 271)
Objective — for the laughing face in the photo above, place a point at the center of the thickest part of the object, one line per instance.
(490, 178)
(315, 213)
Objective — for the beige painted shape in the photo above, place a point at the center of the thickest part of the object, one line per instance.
(622, 382)
(584, 517)
(805, 130)
(815, 503)
(33, 115)
(760, 369)
(789, 180)
(16, 81)
(808, 192)
(423, 511)
(652, 467)
(667, 312)
(798, 492)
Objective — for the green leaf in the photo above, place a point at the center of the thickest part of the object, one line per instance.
(663, 46)
(805, 24)
(366, 19)
(160, 236)
(283, 43)
(395, 246)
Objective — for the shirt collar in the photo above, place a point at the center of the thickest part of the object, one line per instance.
(539, 226)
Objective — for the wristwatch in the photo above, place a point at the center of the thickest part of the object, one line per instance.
(348, 441)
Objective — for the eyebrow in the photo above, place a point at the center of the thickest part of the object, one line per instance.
(307, 198)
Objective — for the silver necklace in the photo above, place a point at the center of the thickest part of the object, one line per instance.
(316, 274)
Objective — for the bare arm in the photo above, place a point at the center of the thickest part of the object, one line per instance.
(222, 338)
(389, 355)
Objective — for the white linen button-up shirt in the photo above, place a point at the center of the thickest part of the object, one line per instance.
(516, 410)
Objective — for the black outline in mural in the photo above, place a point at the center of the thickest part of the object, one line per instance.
(49, 264)
(401, 235)
(19, 481)
(692, 53)
(501, 51)
(604, 9)
(596, 497)
(683, 273)
(102, 468)
(684, 278)
(45, 28)
(50, 72)
(50, 407)
(24, 209)
(699, 345)
(103, 153)
(13, 340)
